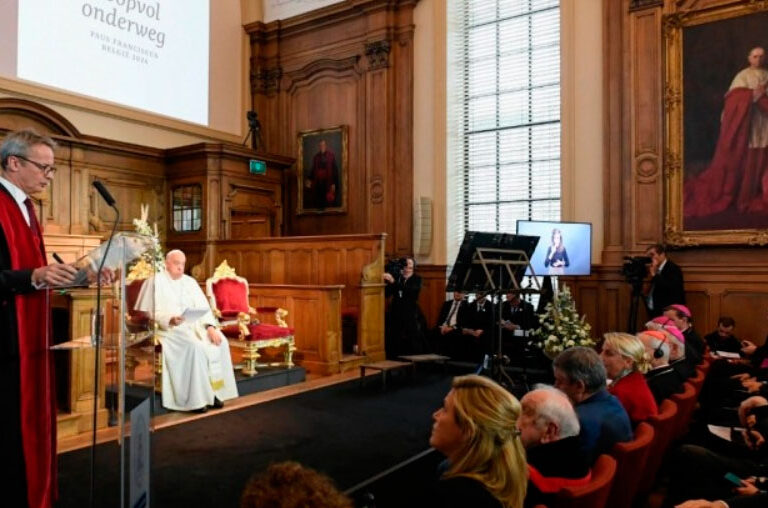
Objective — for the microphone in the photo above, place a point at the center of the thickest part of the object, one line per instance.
(104, 193)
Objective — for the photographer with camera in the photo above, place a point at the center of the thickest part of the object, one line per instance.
(666, 281)
(405, 325)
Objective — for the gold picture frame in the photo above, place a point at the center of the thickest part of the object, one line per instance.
(321, 170)
(706, 50)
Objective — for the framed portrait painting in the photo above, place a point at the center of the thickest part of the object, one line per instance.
(716, 118)
(322, 171)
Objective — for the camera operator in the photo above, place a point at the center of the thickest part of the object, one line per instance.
(405, 323)
(666, 281)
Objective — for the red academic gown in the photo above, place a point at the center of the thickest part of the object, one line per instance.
(35, 405)
(736, 172)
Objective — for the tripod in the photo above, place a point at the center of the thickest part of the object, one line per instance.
(634, 303)
(254, 131)
(502, 262)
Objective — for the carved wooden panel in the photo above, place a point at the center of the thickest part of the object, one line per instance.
(349, 64)
(315, 314)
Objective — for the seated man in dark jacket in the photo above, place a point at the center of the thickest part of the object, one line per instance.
(549, 430)
(723, 339)
(517, 318)
(446, 335)
(661, 378)
(476, 326)
(580, 374)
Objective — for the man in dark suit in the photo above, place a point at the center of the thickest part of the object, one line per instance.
(28, 424)
(517, 317)
(666, 281)
(476, 326)
(447, 332)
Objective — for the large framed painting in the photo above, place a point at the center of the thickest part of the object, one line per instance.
(716, 118)
(322, 171)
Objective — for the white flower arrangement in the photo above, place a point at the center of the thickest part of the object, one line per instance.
(153, 256)
(561, 327)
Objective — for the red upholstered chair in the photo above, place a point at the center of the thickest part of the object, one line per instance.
(697, 381)
(228, 295)
(631, 457)
(663, 425)
(139, 325)
(595, 493)
(686, 402)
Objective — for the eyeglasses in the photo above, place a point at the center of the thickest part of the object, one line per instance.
(47, 169)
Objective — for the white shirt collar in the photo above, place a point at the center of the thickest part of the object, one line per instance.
(19, 195)
(661, 266)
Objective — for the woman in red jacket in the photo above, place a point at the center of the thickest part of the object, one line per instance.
(625, 363)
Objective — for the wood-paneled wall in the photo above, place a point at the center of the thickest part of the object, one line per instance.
(719, 281)
(354, 262)
(71, 206)
(351, 64)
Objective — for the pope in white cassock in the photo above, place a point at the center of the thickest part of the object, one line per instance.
(197, 367)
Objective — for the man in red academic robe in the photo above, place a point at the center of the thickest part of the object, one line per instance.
(28, 424)
(738, 172)
(322, 191)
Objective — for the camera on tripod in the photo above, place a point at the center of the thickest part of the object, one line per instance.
(395, 267)
(635, 268)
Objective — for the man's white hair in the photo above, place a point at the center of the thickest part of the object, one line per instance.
(555, 407)
(173, 252)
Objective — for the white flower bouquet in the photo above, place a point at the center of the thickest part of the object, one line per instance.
(561, 327)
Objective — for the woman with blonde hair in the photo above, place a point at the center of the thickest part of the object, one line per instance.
(626, 361)
(476, 429)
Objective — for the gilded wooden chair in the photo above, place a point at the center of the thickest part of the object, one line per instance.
(228, 295)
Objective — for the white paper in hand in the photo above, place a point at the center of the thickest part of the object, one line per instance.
(192, 315)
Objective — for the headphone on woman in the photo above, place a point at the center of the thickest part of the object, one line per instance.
(658, 353)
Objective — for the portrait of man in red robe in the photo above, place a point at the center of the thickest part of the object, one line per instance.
(321, 173)
(726, 135)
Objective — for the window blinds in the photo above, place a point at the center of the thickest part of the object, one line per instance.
(504, 114)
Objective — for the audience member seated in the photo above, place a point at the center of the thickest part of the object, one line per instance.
(677, 360)
(476, 429)
(290, 485)
(517, 317)
(197, 366)
(549, 429)
(447, 336)
(698, 472)
(405, 325)
(694, 346)
(477, 324)
(662, 379)
(625, 364)
(723, 339)
(580, 374)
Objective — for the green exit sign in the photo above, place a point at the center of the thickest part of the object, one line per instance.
(257, 167)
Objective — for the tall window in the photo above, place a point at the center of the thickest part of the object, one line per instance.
(504, 114)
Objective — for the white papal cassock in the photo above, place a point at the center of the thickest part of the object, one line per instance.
(195, 370)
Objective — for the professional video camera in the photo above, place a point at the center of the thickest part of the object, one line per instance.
(635, 268)
(395, 267)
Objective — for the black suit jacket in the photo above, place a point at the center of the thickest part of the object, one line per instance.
(477, 320)
(522, 315)
(446, 309)
(666, 288)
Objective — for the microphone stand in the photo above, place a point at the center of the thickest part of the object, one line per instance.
(97, 355)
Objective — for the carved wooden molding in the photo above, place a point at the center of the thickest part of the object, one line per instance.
(323, 67)
(378, 54)
(636, 5)
(57, 123)
(266, 80)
